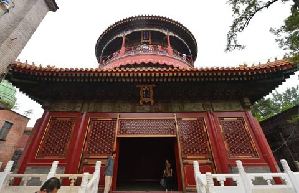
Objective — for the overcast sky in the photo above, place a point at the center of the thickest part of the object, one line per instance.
(67, 38)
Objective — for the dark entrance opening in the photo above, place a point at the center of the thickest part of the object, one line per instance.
(141, 163)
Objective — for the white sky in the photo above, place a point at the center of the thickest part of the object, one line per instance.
(67, 38)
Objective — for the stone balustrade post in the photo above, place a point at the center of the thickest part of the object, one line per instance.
(290, 173)
(210, 182)
(97, 172)
(4, 174)
(244, 178)
(53, 169)
(196, 176)
(98, 168)
(93, 184)
(84, 183)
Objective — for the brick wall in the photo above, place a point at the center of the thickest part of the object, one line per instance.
(8, 146)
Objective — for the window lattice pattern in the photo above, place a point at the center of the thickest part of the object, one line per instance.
(147, 127)
(100, 137)
(237, 138)
(57, 137)
(193, 137)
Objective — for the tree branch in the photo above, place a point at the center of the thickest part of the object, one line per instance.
(242, 21)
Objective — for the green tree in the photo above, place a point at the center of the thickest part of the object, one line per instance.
(287, 35)
(276, 103)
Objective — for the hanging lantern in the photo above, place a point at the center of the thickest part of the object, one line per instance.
(5, 6)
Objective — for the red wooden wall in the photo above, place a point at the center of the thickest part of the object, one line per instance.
(215, 139)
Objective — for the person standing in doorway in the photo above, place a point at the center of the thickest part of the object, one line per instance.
(168, 176)
(109, 172)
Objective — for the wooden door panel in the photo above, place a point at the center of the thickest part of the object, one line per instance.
(195, 146)
(189, 173)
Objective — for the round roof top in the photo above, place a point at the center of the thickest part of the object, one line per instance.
(7, 94)
(137, 22)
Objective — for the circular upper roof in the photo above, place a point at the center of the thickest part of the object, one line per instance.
(139, 22)
(7, 95)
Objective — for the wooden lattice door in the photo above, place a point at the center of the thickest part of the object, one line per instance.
(98, 145)
(194, 145)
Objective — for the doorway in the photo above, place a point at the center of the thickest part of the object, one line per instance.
(141, 163)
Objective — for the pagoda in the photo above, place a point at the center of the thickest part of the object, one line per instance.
(147, 101)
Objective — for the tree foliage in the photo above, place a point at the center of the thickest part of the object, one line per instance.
(276, 103)
(287, 35)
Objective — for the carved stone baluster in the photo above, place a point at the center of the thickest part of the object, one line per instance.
(221, 179)
(25, 180)
(268, 180)
(235, 179)
(210, 182)
(10, 180)
(84, 182)
(72, 180)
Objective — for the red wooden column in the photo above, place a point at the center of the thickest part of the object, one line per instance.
(218, 142)
(123, 46)
(33, 142)
(169, 48)
(77, 142)
(262, 142)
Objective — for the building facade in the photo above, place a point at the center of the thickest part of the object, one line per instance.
(18, 21)
(147, 101)
(12, 127)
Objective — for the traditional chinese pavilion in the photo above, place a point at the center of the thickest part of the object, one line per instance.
(147, 101)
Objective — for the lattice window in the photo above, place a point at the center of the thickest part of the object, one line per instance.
(100, 137)
(193, 137)
(237, 138)
(56, 138)
(147, 127)
(4, 130)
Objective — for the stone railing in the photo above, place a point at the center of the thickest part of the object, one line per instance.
(147, 49)
(71, 183)
(287, 182)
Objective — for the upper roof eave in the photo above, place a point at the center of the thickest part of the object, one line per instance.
(277, 65)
